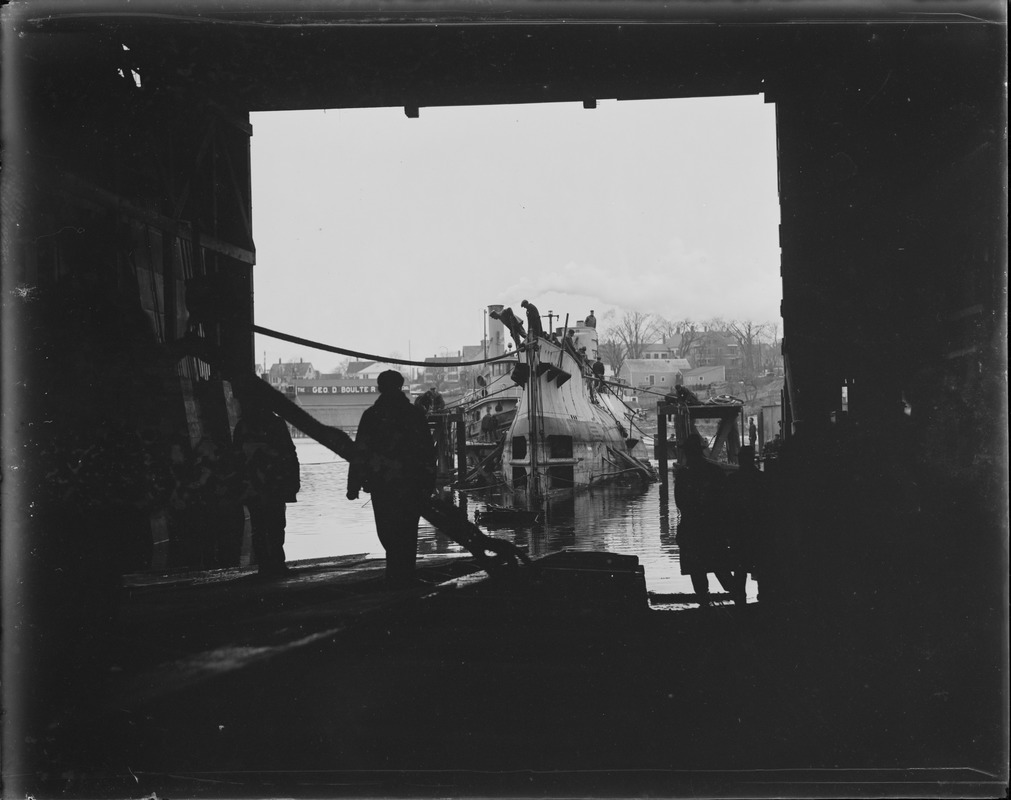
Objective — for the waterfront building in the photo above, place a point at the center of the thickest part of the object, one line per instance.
(654, 373)
(283, 374)
(700, 377)
(339, 402)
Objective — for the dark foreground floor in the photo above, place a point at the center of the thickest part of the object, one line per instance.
(559, 681)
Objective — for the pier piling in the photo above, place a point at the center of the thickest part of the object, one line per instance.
(660, 445)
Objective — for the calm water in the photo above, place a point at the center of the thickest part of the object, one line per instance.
(630, 521)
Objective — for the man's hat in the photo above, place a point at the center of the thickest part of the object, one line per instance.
(390, 381)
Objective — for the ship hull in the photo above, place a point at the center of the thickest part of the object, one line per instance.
(566, 436)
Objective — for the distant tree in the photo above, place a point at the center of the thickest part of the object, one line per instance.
(772, 348)
(437, 378)
(634, 330)
(748, 335)
(341, 368)
(688, 330)
(612, 352)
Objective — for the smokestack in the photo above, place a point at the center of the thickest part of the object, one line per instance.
(496, 332)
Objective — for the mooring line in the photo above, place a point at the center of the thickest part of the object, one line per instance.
(369, 356)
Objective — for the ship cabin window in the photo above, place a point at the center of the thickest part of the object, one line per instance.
(519, 476)
(562, 477)
(560, 446)
(519, 447)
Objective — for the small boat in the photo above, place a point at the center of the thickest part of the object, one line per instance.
(493, 515)
(491, 406)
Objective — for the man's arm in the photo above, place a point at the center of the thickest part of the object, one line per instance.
(356, 470)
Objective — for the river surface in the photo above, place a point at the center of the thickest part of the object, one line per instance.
(627, 520)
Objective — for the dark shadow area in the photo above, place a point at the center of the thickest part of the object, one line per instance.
(877, 661)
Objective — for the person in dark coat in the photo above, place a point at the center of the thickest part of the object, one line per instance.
(698, 493)
(598, 374)
(217, 492)
(569, 343)
(512, 323)
(430, 402)
(533, 319)
(489, 424)
(748, 521)
(270, 472)
(590, 321)
(397, 468)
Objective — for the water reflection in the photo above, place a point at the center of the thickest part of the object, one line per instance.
(634, 520)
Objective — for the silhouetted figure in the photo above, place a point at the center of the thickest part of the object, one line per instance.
(773, 448)
(748, 521)
(430, 402)
(698, 493)
(533, 319)
(590, 321)
(569, 343)
(398, 470)
(271, 477)
(512, 323)
(597, 382)
(489, 424)
(752, 434)
(218, 489)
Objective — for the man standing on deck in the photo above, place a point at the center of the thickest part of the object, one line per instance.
(533, 319)
(398, 470)
(590, 321)
(512, 323)
(598, 373)
(489, 424)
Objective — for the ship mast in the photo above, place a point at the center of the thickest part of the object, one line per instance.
(533, 481)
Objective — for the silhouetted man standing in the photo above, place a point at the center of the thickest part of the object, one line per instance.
(748, 521)
(398, 470)
(533, 319)
(699, 494)
(271, 471)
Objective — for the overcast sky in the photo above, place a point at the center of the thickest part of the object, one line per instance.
(390, 235)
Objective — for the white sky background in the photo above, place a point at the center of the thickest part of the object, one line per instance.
(390, 235)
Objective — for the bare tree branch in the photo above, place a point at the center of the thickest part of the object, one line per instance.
(634, 331)
(748, 335)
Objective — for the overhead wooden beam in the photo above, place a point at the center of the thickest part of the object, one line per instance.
(111, 200)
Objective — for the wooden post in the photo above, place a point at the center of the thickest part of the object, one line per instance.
(445, 446)
(461, 451)
(661, 439)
